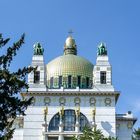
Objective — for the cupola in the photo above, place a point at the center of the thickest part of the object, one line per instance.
(70, 46)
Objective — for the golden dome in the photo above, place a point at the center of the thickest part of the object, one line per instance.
(69, 70)
(70, 65)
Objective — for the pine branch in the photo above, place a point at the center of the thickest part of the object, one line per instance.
(5, 60)
(11, 84)
(3, 42)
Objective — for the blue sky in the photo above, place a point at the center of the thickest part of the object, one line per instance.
(115, 22)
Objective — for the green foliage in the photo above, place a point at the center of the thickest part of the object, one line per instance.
(136, 134)
(11, 83)
(89, 134)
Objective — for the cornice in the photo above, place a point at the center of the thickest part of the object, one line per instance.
(126, 119)
(72, 93)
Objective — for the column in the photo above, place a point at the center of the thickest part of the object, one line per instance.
(94, 121)
(45, 126)
(60, 137)
(77, 125)
(61, 113)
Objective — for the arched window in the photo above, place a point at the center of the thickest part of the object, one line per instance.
(69, 120)
(54, 123)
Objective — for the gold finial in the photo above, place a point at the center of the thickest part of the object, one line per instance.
(70, 32)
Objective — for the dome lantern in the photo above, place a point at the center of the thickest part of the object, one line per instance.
(70, 46)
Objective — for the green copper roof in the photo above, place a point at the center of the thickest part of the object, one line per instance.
(38, 50)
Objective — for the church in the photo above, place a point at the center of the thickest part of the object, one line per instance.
(69, 93)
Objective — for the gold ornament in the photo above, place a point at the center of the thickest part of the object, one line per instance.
(46, 111)
(77, 111)
(61, 112)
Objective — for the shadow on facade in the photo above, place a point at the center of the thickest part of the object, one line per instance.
(107, 127)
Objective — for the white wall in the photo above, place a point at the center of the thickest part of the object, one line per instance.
(122, 131)
(18, 134)
(105, 115)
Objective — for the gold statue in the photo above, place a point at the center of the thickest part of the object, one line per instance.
(94, 111)
(77, 111)
(45, 114)
(61, 112)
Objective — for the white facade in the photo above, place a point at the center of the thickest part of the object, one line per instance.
(97, 106)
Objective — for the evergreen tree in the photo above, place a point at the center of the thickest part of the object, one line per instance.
(11, 83)
(136, 134)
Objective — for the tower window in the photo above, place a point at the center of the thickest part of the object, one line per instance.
(36, 76)
(79, 81)
(69, 81)
(103, 77)
(60, 81)
(87, 82)
(51, 82)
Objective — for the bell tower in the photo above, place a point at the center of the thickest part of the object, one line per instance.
(37, 79)
(102, 73)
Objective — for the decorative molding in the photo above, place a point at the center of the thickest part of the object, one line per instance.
(99, 93)
(71, 93)
(129, 125)
(98, 68)
(18, 123)
(33, 101)
(108, 102)
(117, 125)
(47, 100)
(108, 68)
(62, 101)
(77, 101)
(92, 101)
